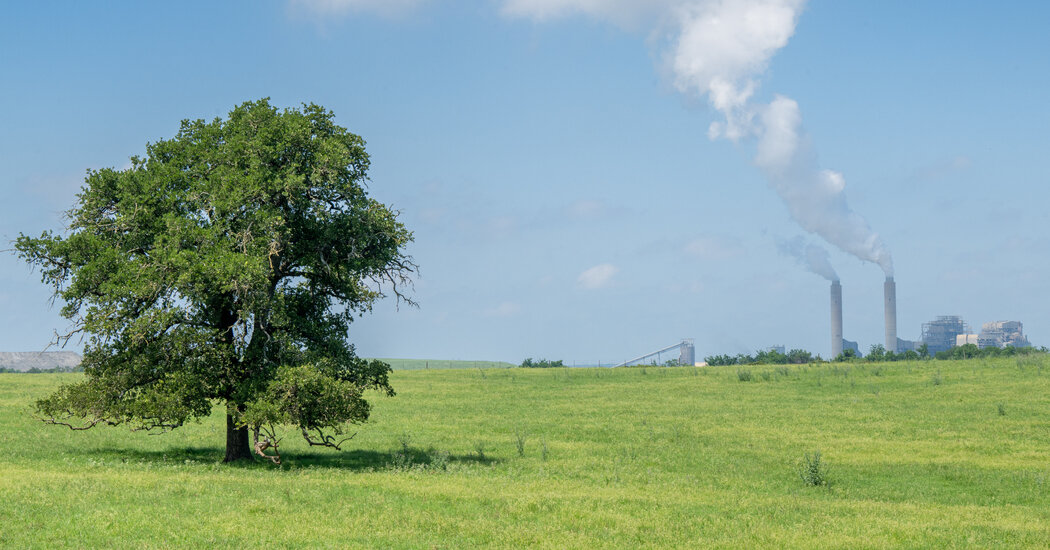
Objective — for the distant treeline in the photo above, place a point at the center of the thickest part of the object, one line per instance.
(877, 353)
(528, 363)
(764, 357)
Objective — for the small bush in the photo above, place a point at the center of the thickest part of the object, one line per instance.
(743, 375)
(439, 460)
(813, 470)
(543, 450)
(784, 371)
(936, 379)
(479, 449)
(1002, 409)
(402, 461)
(766, 375)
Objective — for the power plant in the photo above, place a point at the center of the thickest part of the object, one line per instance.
(836, 319)
(889, 291)
(941, 334)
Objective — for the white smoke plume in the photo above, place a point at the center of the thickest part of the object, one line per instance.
(812, 256)
(815, 198)
(719, 49)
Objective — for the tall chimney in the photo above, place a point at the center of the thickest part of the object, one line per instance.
(836, 319)
(890, 292)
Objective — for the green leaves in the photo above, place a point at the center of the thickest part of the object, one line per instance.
(218, 264)
(311, 400)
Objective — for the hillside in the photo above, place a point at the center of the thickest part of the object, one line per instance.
(424, 364)
(24, 361)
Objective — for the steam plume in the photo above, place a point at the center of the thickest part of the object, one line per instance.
(812, 256)
(719, 49)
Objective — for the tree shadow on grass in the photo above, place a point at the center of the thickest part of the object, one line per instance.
(352, 459)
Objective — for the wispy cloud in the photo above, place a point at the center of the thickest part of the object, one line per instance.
(599, 276)
(505, 309)
(711, 248)
(586, 209)
(342, 7)
(944, 168)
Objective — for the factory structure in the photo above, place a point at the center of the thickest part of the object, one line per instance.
(941, 334)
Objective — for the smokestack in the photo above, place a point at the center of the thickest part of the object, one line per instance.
(890, 293)
(836, 319)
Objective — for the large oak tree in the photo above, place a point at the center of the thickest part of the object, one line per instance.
(225, 267)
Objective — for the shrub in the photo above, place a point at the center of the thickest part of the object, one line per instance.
(813, 470)
(528, 363)
(743, 375)
(520, 435)
(439, 460)
(1002, 409)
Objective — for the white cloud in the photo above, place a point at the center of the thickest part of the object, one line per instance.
(623, 12)
(506, 309)
(599, 276)
(586, 208)
(342, 7)
(711, 248)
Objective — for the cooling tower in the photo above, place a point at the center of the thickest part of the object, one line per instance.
(836, 319)
(890, 293)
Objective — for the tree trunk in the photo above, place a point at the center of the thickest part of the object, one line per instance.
(237, 446)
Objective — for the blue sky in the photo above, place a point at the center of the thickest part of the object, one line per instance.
(566, 197)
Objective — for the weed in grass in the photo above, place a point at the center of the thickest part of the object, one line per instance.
(743, 375)
(479, 450)
(439, 460)
(543, 449)
(766, 375)
(813, 470)
(1002, 409)
(401, 461)
(874, 390)
(936, 379)
(519, 442)
(784, 371)
(643, 372)
(404, 440)
(877, 371)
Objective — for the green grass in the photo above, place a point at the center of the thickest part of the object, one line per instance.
(654, 457)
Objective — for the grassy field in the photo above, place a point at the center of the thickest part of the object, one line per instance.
(921, 455)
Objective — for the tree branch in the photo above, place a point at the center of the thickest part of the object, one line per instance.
(325, 440)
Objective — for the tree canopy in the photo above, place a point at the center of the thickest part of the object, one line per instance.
(226, 267)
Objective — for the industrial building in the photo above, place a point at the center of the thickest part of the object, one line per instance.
(941, 333)
(1000, 334)
(949, 331)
